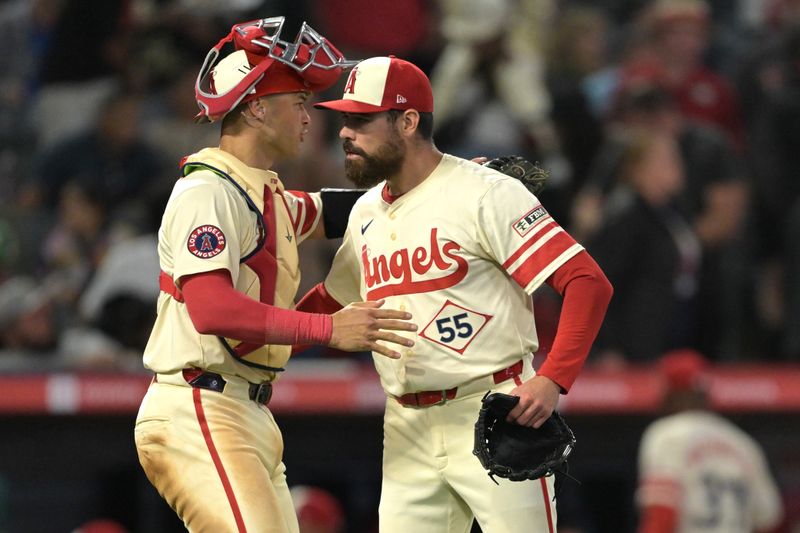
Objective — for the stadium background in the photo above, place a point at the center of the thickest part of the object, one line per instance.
(96, 107)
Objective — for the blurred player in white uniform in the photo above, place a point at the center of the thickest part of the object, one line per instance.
(699, 473)
(462, 247)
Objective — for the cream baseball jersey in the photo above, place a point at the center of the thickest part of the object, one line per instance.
(226, 215)
(711, 472)
(463, 251)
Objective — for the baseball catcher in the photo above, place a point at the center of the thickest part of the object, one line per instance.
(517, 452)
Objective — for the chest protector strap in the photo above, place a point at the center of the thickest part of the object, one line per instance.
(167, 284)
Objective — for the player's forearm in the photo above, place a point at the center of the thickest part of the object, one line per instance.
(216, 308)
(586, 292)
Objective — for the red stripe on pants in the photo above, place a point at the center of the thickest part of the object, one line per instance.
(223, 476)
(546, 497)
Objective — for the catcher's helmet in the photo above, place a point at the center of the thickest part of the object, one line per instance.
(263, 64)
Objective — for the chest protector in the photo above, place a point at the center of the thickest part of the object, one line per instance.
(270, 273)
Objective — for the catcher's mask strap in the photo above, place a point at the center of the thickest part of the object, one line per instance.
(309, 50)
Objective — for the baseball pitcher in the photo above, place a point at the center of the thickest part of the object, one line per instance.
(462, 247)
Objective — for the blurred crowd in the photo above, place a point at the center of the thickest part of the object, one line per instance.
(669, 128)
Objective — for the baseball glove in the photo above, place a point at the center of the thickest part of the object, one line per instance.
(532, 175)
(517, 452)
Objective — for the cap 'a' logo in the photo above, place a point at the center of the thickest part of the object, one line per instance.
(401, 99)
(206, 241)
(350, 86)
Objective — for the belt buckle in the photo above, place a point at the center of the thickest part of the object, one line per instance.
(443, 399)
(261, 392)
(206, 380)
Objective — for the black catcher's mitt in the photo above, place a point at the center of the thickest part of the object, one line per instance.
(532, 175)
(517, 452)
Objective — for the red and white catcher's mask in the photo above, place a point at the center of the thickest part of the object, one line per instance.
(264, 64)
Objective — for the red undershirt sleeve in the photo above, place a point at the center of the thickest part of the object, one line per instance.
(586, 293)
(317, 300)
(216, 308)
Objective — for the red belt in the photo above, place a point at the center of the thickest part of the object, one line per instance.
(437, 397)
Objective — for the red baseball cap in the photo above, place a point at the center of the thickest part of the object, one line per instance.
(684, 369)
(382, 83)
(317, 507)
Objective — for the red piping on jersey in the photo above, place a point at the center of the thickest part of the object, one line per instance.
(267, 267)
(223, 476)
(387, 196)
(541, 258)
(298, 217)
(296, 221)
(166, 284)
(546, 496)
(543, 228)
(264, 264)
(311, 211)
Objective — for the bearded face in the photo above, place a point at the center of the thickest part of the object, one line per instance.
(370, 169)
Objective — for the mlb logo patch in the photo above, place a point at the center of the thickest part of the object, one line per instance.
(206, 241)
(529, 220)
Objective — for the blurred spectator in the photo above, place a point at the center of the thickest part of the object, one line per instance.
(103, 281)
(79, 69)
(578, 48)
(35, 334)
(78, 240)
(318, 511)
(10, 249)
(26, 28)
(26, 33)
(164, 67)
(649, 253)
(698, 471)
(110, 158)
(713, 200)
(489, 83)
(100, 525)
(121, 298)
(775, 138)
(27, 324)
(398, 27)
(676, 37)
(790, 342)
(170, 125)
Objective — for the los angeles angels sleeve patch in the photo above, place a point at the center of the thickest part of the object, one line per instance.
(206, 242)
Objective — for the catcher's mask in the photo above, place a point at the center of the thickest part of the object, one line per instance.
(263, 63)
